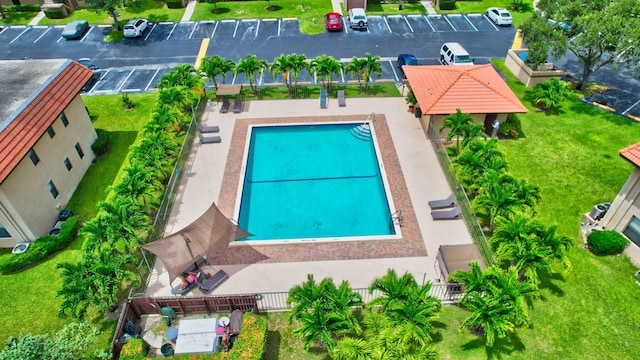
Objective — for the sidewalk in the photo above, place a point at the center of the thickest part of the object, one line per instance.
(37, 19)
(188, 11)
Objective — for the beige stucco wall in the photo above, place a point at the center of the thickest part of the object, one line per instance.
(525, 74)
(625, 205)
(28, 210)
(438, 120)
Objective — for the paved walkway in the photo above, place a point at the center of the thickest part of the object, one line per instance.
(429, 6)
(419, 165)
(188, 11)
(37, 19)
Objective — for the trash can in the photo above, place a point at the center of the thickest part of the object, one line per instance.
(598, 211)
(417, 111)
(166, 349)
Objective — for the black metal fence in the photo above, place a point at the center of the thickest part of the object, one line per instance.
(469, 216)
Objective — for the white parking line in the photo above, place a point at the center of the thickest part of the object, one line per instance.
(490, 22)
(469, 21)
(279, 21)
(393, 68)
(429, 23)
(3, 30)
(39, 37)
(447, 19)
(87, 34)
(631, 107)
(386, 22)
(236, 29)
(258, 28)
(214, 29)
(153, 27)
(125, 80)
(171, 32)
(234, 79)
(130, 90)
(342, 72)
(407, 21)
(192, 30)
(150, 81)
(18, 37)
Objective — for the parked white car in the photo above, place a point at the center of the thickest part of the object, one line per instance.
(135, 27)
(357, 18)
(499, 16)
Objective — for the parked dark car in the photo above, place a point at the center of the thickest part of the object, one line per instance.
(75, 29)
(406, 59)
(97, 73)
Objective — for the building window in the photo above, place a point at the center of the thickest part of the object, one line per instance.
(67, 163)
(79, 150)
(64, 120)
(633, 231)
(51, 132)
(3, 232)
(34, 157)
(53, 189)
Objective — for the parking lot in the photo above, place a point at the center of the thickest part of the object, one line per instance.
(235, 39)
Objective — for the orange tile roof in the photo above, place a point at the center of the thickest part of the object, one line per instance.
(476, 89)
(632, 154)
(24, 131)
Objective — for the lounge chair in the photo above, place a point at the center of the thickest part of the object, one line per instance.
(341, 100)
(179, 291)
(225, 106)
(207, 129)
(213, 281)
(237, 106)
(209, 139)
(323, 99)
(450, 214)
(444, 203)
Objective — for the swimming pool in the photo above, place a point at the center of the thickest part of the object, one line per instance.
(314, 182)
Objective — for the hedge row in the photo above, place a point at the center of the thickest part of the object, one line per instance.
(42, 248)
(249, 345)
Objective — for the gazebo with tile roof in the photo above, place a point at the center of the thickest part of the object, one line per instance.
(45, 143)
(477, 90)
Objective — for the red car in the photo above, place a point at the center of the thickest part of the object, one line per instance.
(333, 21)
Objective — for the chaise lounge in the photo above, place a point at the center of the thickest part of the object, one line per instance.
(209, 139)
(225, 106)
(178, 290)
(450, 214)
(444, 203)
(323, 99)
(213, 282)
(207, 129)
(341, 100)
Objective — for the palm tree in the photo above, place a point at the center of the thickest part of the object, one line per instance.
(548, 94)
(349, 348)
(303, 296)
(138, 182)
(163, 118)
(109, 271)
(472, 131)
(371, 66)
(528, 194)
(181, 75)
(515, 227)
(298, 63)
(490, 318)
(251, 66)
(77, 291)
(508, 288)
(495, 197)
(355, 67)
(321, 326)
(325, 67)
(176, 96)
(558, 244)
(216, 65)
(125, 221)
(95, 234)
(456, 125)
(395, 290)
(527, 256)
(282, 65)
(475, 281)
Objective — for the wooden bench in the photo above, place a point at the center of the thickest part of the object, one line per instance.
(213, 281)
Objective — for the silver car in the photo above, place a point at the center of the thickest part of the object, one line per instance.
(135, 27)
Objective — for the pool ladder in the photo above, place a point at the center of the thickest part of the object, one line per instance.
(396, 219)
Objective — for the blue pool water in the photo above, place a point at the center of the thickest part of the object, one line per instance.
(313, 181)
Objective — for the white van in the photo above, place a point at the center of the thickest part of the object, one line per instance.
(452, 53)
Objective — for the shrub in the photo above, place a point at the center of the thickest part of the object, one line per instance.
(174, 4)
(127, 102)
(42, 248)
(101, 145)
(606, 242)
(25, 8)
(511, 127)
(54, 14)
(134, 349)
(447, 4)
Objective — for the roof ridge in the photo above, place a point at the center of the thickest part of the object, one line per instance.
(489, 86)
(445, 90)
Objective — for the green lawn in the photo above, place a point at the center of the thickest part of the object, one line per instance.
(29, 304)
(476, 7)
(17, 17)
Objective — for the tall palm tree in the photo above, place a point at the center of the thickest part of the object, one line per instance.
(176, 96)
(282, 65)
(182, 75)
(303, 296)
(355, 67)
(527, 256)
(298, 63)
(138, 182)
(251, 66)
(395, 290)
(558, 244)
(95, 234)
(164, 117)
(216, 65)
(110, 271)
(325, 67)
(490, 318)
(77, 291)
(126, 221)
(472, 131)
(321, 326)
(456, 123)
(528, 194)
(515, 227)
(371, 66)
(475, 281)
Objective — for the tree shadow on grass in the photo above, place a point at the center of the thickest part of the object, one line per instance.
(549, 281)
(274, 339)
(501, 348)
(220, 10)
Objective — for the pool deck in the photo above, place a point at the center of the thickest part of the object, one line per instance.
(414, 174)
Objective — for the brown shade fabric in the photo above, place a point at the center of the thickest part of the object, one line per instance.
(452, 258)
(225, 90)
(202, 238)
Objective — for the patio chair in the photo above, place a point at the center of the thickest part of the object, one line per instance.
(213, 282)
(225, 106)
(237, 106)
(323, 99)
(179, 291)
(341, 99)
(207, 129)
(209, 139)
(444, 203)
(450, 214)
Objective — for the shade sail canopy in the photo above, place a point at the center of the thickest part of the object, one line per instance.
(202, 238)
(452, 258)
(226, 90)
